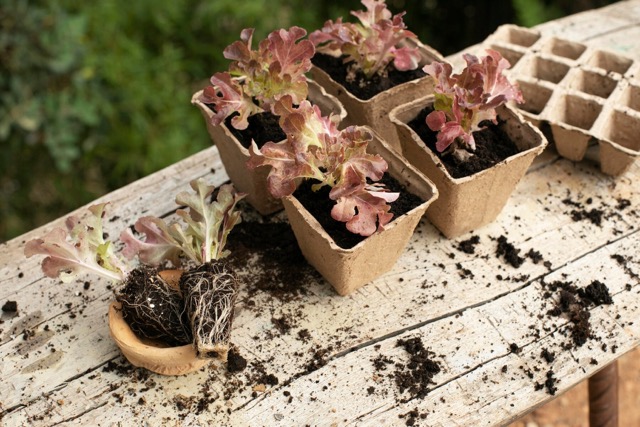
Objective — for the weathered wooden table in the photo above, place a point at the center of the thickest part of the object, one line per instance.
(320, 359)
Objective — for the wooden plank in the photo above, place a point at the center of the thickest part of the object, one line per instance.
(385, 307)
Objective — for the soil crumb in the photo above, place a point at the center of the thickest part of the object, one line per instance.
(413, 416)
(235, 362)
(10, 307)
(509, 252)
(469, 246)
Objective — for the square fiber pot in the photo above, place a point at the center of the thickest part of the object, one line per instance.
(374, 112)
(349, 269)
(468, 203)
(234, 155)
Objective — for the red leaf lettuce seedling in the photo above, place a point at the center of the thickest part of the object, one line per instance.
(316, 149)
(81, 248)
(371, 44)
(463, 101)
(257, 79)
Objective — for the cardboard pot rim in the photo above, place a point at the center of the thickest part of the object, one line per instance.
(423, 101)
(625, 150)
(196, 99)
(423, 206)
(427, 52)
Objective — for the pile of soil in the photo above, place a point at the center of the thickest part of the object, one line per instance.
(362, 87)
(319, 205)
(235, 361)
(574, 303)
(414, 376)
(493, 145)
(271, 247)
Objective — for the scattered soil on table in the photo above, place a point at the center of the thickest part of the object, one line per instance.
(263, 127)
(534, 256)
(571, 409)
(268, 259)
(585, 210)
(622, 261)
(360, 86)
(413, 376)
(417, 375)
(319, 205)
(493, 145)
(549, 383)
(413, 417)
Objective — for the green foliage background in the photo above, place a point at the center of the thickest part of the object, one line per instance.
(94, 95)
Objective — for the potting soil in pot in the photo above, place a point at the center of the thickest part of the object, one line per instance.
(493, 145)
(319, 205)
(263, 127)
(361, 86)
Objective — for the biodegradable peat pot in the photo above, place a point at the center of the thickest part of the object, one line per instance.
(468, 203)
(152, 355)
(374, 112)
(349, 269)
(234, 155)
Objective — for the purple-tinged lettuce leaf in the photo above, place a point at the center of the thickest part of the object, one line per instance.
(159, 245)
(79, 249)
(227, 97)
(201, 238)
(364, 211)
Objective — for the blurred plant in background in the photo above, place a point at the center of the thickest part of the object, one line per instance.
(94, 95)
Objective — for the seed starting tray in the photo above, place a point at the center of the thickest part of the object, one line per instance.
(585, 95)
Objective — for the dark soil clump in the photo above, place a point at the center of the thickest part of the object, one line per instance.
(152, 309)
(547, 355)
(413, 416)
(263, 127)
(319, 205)
(416, 376)
(235, 362)
(469, 246)
(10, 307)
(362, 87)
(550, 384)
(596, 293)
(574, 303)
(509, 252)
(493, 145)
(535, 256)
(592, 215)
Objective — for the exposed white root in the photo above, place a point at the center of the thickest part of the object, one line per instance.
(209, 294)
